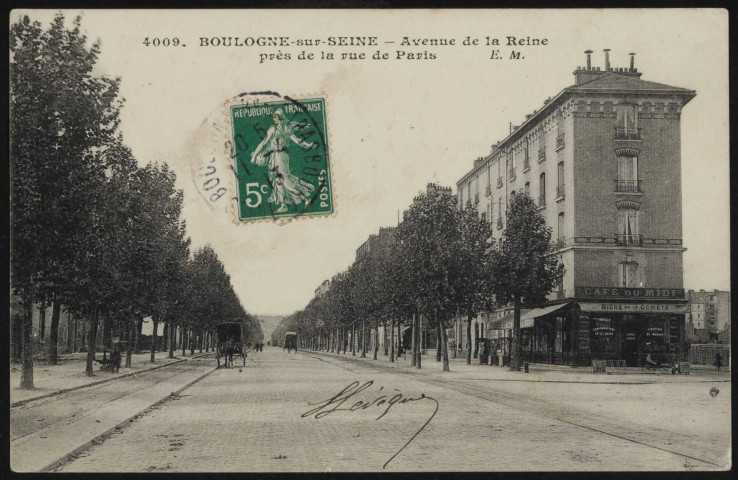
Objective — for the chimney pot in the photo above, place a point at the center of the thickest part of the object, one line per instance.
(607, 58)
(632, 61)
(589, 59)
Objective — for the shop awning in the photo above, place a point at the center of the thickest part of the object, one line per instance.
(527, 317)
(540, 312)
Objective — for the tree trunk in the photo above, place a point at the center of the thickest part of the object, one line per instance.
(353, 338)
(42, 321)
(27, 344)
(70, 331)
(515, 347)
(399, 338)
(91, 337)
(155, 321)
(76, 322)
(444, 346)
(468, 339)
(418, 342)
(392, 339)
(476, 339)
(130, 328)
(376, 338)
(136, 341)
(414, 332)
(54, 332)
(172, 338)
(363, 338)
(106, 337)
(384, 337)
(16, 336)
(202, 338)
(438, 340)
(207, 341)
(456, 335)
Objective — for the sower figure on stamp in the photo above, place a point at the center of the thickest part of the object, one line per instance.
(287, 189)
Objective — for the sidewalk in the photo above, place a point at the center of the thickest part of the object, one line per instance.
(84, 418)
(459, 370)
(70, 374)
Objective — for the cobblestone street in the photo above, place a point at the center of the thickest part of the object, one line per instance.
(251, 419)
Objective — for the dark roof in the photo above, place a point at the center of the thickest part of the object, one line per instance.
(615, 81)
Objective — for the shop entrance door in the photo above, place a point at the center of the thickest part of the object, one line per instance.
(630, 339)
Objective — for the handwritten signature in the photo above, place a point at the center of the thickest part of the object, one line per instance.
(334, 403)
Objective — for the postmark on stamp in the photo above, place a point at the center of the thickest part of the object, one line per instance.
(282, 160)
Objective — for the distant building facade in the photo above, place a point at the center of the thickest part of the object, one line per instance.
(709, 316)
(602, 160)
(323, 288)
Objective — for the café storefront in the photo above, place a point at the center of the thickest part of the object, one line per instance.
(604, 323)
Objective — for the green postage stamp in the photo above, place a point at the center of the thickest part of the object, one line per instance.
(281, 155)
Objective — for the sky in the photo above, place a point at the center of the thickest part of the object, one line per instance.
(397, 124)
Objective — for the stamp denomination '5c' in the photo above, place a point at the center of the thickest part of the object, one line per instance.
(281, 154)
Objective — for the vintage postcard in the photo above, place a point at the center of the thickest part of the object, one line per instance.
(369, 241)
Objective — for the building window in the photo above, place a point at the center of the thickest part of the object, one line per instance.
(526, 189)
(542, 191)
(628, 274)
(561, 237)
(627, 123)
(628, 180)
(526, 158)
(560, 183)
(628, 227)
(484, 216)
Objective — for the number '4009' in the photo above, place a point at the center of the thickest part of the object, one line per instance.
(163, 42)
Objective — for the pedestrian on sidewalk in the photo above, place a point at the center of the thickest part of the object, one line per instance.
(115, 358)
(718, 360)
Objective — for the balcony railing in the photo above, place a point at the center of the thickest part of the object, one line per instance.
(542, 154)
(542, 201)
(629, 239)
(630, 186)
(559, 141)
(499, 182)
(511, 174)
(560, 192)
(488, 191)
(526, 164)
(622, 133)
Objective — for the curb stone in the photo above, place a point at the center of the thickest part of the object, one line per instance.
(100, 382)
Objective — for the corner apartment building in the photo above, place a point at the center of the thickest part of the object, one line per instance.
(602, 159)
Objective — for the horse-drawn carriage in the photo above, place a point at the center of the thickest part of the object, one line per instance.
(230, 343)
(290, 342)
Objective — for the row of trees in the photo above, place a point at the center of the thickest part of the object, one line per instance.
(92, 232)
(441, 262)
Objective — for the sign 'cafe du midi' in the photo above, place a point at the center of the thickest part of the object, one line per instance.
(629, 323)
